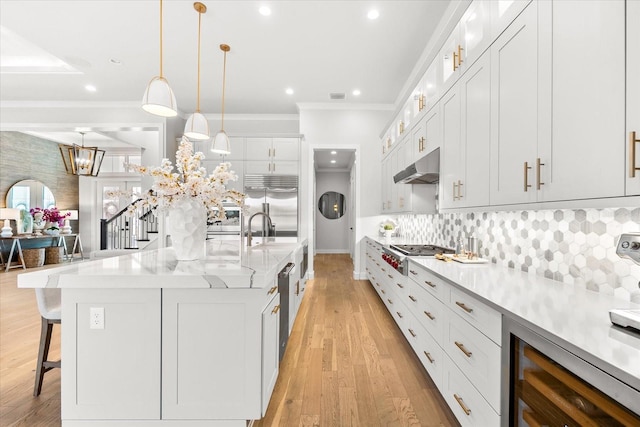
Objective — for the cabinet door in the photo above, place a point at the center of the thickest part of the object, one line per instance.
(418, 139)
(405, 157)
(270, 349)
(450, 168)
(258, 148)
(432, 130)
(386, 184)
(285, 149)
(448, 60)
(431, 90)
(258, 167)
(514, 124)
(585, 157)
(503, 12)
(475, 95)
(633, 98)
(284, 167)
(475, 26)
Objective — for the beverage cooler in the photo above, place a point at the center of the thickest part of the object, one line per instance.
(549, 386)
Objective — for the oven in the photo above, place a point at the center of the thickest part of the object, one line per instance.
(230, 225)
(397, 256)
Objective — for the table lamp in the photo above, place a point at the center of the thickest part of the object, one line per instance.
(66, 229)
(8, 214)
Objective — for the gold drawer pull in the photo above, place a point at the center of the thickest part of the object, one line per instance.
(382, 290)
(399, 314)
(400, 286)
(390, 276)
(633, 140)
(462, 405)
(382, 269)
(430, 284)
(413, 272)
(413, 334)
(275, 309)
(463, 349)
(390, 302)
(272, 290)
(539, 182)
(429, 315)
(412, 298)
(431, 359)
(464, 307)
(526, 177)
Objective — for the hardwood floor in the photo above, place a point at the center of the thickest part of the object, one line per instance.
(347, 364)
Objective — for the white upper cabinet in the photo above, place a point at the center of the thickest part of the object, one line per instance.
(272, 155)
(503, 12)
(633, 99)
(585, 157)
(466, 115)
(466, 43)
(514, 116)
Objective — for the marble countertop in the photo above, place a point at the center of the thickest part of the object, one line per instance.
(569, 315)
(228, 264)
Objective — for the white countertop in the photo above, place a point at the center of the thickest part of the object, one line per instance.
(228, 264)
(568, 315)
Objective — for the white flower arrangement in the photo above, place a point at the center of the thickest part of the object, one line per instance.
(189, 182)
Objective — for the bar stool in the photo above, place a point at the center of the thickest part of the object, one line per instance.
(49, 301)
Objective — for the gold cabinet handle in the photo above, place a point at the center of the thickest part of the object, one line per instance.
(413, 334)
(526, 176)
(382, 290)
(462, 405)
(464, 307)
(430, 283)
(390, 276)
(400, 286)
(463, 349)
(412, 298)
(454, 191)
(429, 315)
(459, 189)
(455, 55)
(272, 290)
(633, 140)
(460, 61)
(431, 359)
(382, 269)
(275, 309)
(399, 314)
(412, 272)
(390, 302)
(539, 182)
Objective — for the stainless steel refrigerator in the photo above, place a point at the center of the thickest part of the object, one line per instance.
(277, 196)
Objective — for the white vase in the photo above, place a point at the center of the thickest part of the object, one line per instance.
(388, 233)
(187, 226)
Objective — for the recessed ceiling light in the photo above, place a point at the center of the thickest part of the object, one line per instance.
(334, 152)
(289, 91)
(333, 161)
(90, 88)
(373, 14)
(356, 92)
(264, 11)
(115, 61)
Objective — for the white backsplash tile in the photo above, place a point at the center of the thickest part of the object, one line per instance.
(571, 246)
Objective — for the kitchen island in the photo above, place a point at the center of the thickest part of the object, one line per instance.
(149, 340)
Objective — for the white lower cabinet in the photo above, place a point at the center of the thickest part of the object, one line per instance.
(456, 337)
(270, 349)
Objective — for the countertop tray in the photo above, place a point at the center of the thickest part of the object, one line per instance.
(464, 259)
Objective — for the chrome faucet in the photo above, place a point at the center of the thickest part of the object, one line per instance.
(270, 226)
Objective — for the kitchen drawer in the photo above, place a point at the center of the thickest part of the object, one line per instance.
(428, 310)
(438, 287)
(269, 292)
(465, 401)
(428, 351)
(399, 312)
(400, 285)
(481, 316)
(477, 357)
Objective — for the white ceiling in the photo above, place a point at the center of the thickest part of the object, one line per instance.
(314, 47)
(343, 160)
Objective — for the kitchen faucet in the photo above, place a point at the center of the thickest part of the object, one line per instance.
(270, 226)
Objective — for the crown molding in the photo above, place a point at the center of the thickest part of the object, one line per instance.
(68, 104)
(343, 106)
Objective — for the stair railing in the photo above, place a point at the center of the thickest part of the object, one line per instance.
(124, 230)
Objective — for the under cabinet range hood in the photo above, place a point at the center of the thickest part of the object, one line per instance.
(424, 171)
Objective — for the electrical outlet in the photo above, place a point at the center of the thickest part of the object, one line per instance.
(96, 318)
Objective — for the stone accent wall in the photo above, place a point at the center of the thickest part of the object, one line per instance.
(571, 246)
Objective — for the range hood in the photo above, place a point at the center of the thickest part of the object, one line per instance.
(424, 171)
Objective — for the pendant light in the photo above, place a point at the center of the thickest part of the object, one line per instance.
(220, 143)
(159, 99)
(81, 160)
(197, 127)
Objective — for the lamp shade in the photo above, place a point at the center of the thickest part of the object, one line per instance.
(159, 99)
(9, 213)
(220, 143)
(197, 127)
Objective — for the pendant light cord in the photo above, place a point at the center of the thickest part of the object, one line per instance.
(161, 75)
(224, 79)
(198, 97)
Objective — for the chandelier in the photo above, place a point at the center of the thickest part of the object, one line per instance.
(80, 160)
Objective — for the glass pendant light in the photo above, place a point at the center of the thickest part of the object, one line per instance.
(159, 99)
(197, 127)
(220, 143)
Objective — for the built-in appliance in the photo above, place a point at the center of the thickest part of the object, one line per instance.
(230, 225)
(286, 282)
(277, 196)
(397, 256)
(628, 247)
(305, 261)
(426, 170)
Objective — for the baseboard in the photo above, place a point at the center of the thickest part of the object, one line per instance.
(332, 251)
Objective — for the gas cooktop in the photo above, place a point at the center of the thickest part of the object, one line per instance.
(421, 250)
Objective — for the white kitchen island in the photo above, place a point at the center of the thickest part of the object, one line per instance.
(148, 340)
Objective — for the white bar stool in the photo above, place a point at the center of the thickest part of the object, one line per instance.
(49, 305)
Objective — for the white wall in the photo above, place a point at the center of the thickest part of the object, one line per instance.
(344, 128)
(332, 235)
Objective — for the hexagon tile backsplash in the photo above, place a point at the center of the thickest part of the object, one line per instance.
(572, 246)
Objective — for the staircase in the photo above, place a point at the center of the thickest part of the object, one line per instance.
(128, 232)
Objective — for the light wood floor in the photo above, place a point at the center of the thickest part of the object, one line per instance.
(347, 364)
